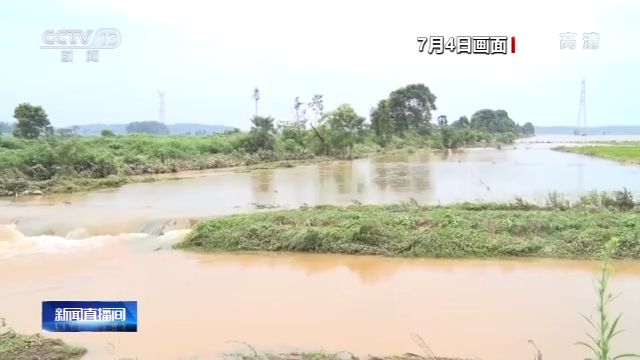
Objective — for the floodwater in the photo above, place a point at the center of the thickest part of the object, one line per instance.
(526, 170)
(115, 245)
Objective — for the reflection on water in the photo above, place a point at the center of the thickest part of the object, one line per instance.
(402, 177)
(262, 182)
(191, 304)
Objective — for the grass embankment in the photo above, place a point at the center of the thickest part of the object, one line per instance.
(622, 152)
(15, 346)
(557, 230)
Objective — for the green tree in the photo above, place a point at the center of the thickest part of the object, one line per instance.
(317, 110)
(107, 133)
(411, 108)
(497, 121)
(261, 134)
(32, 121)
(505, 122)
(293, 135)
(461, 123)
(528, 129)
(381, 122)
(447, 136)
(147, 127)
(346, 127)
(484, 119)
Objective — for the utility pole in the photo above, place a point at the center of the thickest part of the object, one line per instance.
(582, 112)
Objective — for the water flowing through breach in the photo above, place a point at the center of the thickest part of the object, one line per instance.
(157, 235)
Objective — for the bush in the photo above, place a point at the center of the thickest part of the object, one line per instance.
(11, 143)
(14, 186)
(624, 200)
(291, 145)
(506, 138)
(556, 200)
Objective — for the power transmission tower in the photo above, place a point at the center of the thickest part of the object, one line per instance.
(582, 113)
(161, 107)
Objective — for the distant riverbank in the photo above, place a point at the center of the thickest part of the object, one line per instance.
(626, 151)
(519, 229)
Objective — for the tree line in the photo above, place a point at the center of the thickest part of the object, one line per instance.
(405, 112)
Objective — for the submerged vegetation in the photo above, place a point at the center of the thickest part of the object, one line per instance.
(628, 152)
(556, 230)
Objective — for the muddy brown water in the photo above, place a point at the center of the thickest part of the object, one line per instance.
(115, 244)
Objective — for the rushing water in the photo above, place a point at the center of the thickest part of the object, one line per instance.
(114, 244)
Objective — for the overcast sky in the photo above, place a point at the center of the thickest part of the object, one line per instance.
(208, 57)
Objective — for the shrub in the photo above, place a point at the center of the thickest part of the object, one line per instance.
(624, 200)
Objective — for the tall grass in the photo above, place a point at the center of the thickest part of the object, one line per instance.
(605, 330)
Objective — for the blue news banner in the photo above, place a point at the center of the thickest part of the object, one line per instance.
(71, 316)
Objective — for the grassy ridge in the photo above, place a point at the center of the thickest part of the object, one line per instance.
(628, 153)
(15, 346)
(411, 230)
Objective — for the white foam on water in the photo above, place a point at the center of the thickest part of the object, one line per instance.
(15, 243)
(174, 235)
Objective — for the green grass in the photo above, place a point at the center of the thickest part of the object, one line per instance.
(627, 153)
(411, 230)
(15, 346)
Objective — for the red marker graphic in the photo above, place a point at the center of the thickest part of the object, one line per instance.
(513, 44)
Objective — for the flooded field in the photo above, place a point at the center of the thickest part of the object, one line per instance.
(527, 170)
(115, 244)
